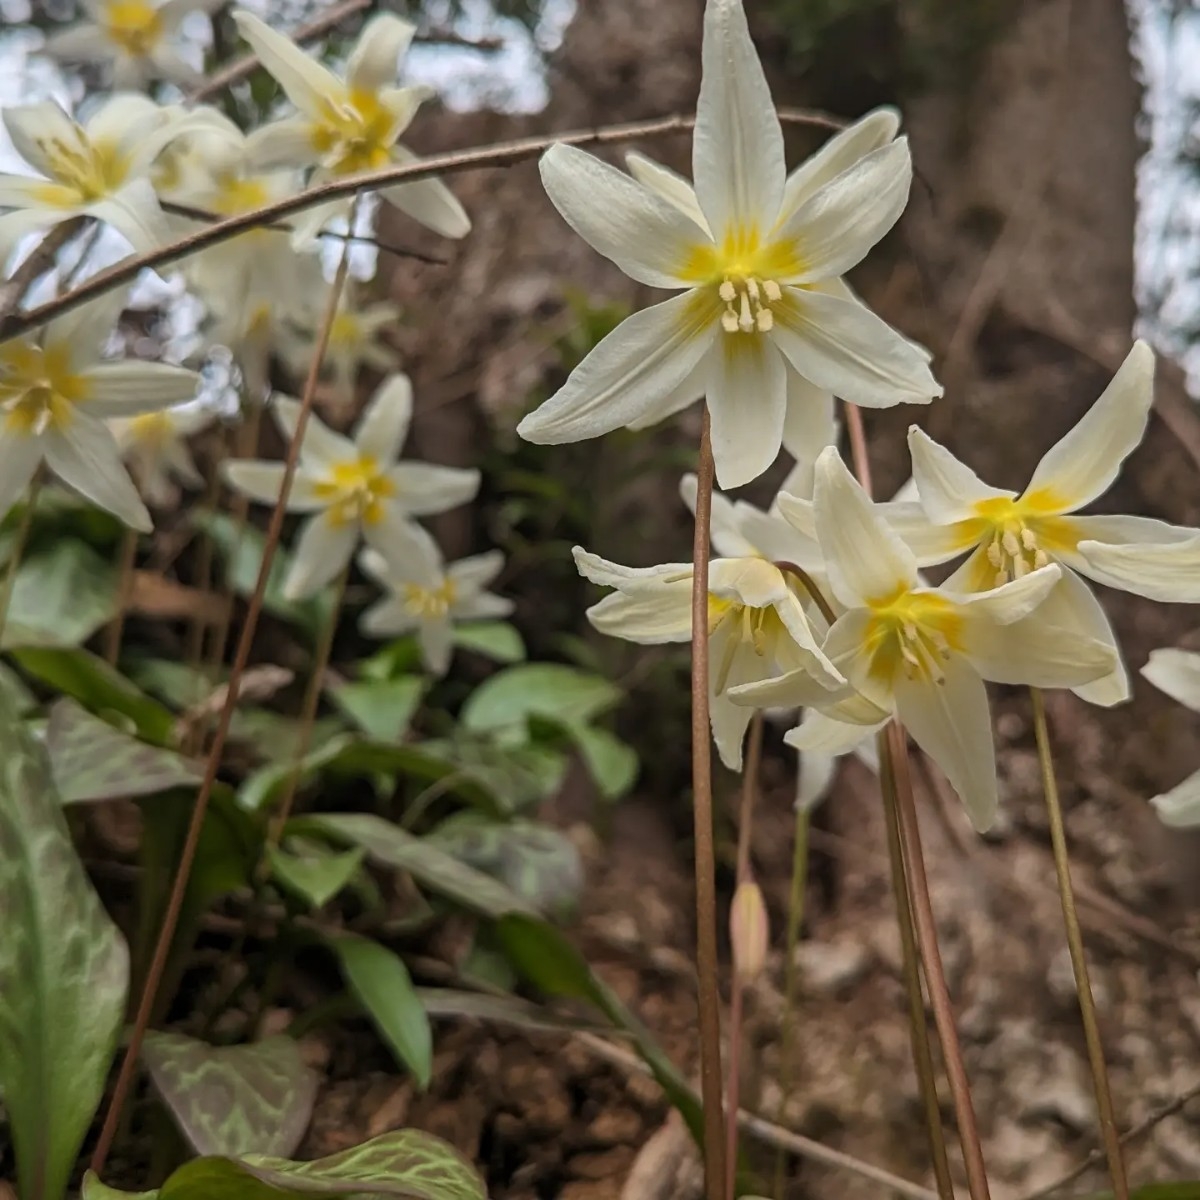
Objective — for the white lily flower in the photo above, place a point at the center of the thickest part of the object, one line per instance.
(759, 273)
(354, 341)
(921, 653)
(135, 36)
(757, 627)
(1177, 672)
(55, 394)
(349, 125)
(353, 486)
(99, 169)
(427, 597)
(154, 444)
(1010, 534)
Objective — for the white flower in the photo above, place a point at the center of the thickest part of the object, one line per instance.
(428, 597)
(350, 125)
(922, 653)
(1009, 534)
(354, 341)
(1177, 672)
(354, 487)
(134, 35)
(99, 169)
(155, 447)
(759, 264)
(757, 627)
(55, 393)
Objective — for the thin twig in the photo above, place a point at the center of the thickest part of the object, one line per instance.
(39, 260)
(1083, 984)
(496, 155)
(115, 630)
(705, 854)
(249, 625)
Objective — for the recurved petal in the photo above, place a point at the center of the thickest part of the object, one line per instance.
(728, 722)
(641, 361)
(323, 548)
(647, 236)
(81, 43)
(472, 575)
(649, 616)
(1166, 571)
(1084, 464)
(685, 393)
(751, 581)
(483, 606)
(423, 489)
(670, 185)
(814, 778)
(374, 61)
(1180, 807)
(436, 639)
(1176, 672)
(737, 147)
(384, 425)
(610, 574)
(309, 86)
(948, 489)
(793, 689)
(777, 540)
(85, 455)
(841, 346)
(124, 389)
(82, 332)
(929, 543)
(1007, 603)
(822, 735)
(747, 402)
(810, 423)
(287, 142)
(1034, 653)
(16, 225)
(430, 203)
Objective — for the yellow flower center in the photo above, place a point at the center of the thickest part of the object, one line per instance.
(759, 628)
(152, 430)
(358, 133)
(429, 602)
(913, 632)
(356, 491)
(235, 195)
(134, 25)
(346, 331)
(38, 390)
(1022, 534)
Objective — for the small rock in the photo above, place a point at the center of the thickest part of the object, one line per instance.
(830, 967)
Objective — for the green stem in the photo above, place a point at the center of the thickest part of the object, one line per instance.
(19, 546)
(1083, 985)
(115, 631)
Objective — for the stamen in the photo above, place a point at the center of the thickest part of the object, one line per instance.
(727, 291)
(772, 291)
(1028, 538)
(1010, 543)
(995, 555)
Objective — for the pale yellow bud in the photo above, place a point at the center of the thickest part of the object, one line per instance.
(748, 931)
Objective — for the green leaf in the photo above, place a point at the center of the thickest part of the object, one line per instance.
(63, 594)
(515, 777)
(551, 690)
(99, 687)
(381, 708)
(537, 862)
(497, 640)
(94, 1189)
(64, 971)
(502, 1010)
(272, 737)
(233, 1099)
(390, 846)
(611, 762)
(93, 761)
(261, 788)
(18, 695)
(383, 986)
(312, 871)
(407, 1163)
(175, 683)
(362, 757)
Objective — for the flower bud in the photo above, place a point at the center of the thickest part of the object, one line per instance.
(748, 931)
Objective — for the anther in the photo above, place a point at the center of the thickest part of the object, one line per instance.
(772, 291)
(1028, 539)
(727, 291)
(995, 555)
(1040, 559)
(1010, 543)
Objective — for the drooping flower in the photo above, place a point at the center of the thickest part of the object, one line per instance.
(135, 36)
(921, 653)
(759, 276)
(55, 394)
(99, 169)
(1010, 535)
(757, 627)
(1177, 672)
(353, 486)
(154, 444)
(428, 596)
(349, 125)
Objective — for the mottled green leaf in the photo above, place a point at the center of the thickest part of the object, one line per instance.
(611, 762)
(64, 971)
(94, 1189)
(407, 1163)
(497, 640)
(312, 871)
(516, 777)
(19, 696)
(391, 846)
(362, 756)
(383, 986)
(537, 862)
(551, 690)
(63, 594)
(91, 760)
(273, 737)
(381, 708)
(176, 683)
(260, 789)
(442, 1003)
(233, 1100)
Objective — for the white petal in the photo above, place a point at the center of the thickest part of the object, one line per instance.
(262, 481)
(930, 543)
(650, 617)
(814, 778)
(835, 227)
(85, 455)
(387, 618)
(83, 331)
(810, 424)
(23, 191)
(20, 455)
(1168, 572)
(1035, 653)
(750, 581)
(1123, 530)
(737, 147)
(134, 213)
(649, 238)
(610, 574)
(422, 490)
(1180, 807)
(724, 531)
(952, 723)
(81, 43)
(402, 553)
(436, 639)
(323, 548)
(475, 573)
(630, 370)
(793, 689)
(775, 539)
(685, 393)
(42, 134)
(171, 66)
(482, 607)
(865, 560)
(375, 59)
(1084, 464)
(843, 347)
(384, 425)
(1008, 603)
(670, 185)
(821, 735)
(728, 722)
(309, 86)
(802, 649)
(321, 446)
(126, 120)
(14, 226)
(122, 389)
(948, 489)
(1176, 672)
(838, 154)
(430, 203)
(799, 512)
(747, 401)
(179, 459)
(287, 142)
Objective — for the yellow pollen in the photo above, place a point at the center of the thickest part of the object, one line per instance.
(135, 25)
(356, 490)
(1019, 536)
(38, 390)
(358, 132)
(430, 601)
(912, 632)
(759, 628)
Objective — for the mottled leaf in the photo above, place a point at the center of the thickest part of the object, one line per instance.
(381, 708)
(93, 761)
(516, 777)
(537, 862)
(552, 690)
(64, 971)
(260, 789)
(233, 1100)
(363, 756)
(178, 684)
(383, 986)
(63, 594)
(19, 696)
(312, 871)
(611, 762)
(497, 640)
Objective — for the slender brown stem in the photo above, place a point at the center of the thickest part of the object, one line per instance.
(170, 920)
(807, 582)
(19, 546)
(935, 974)
(858, 447)
(115, 630)
(205, 555)
(1083, 985)
(706, 861)
(922, 1055)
